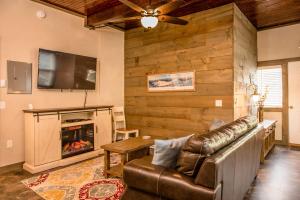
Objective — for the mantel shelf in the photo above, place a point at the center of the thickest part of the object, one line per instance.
(49, 110)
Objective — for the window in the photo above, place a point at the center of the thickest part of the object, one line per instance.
(271, 78)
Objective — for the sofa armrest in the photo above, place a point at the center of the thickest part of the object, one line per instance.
(141, 175)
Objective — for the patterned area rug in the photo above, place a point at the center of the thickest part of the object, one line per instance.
(82, 181)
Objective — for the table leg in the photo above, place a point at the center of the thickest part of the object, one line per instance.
(106, 163)
(123, 159)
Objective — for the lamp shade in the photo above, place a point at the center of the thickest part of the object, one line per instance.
(149, 21)
(256, 97)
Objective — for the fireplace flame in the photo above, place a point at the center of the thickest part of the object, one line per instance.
(77, 146)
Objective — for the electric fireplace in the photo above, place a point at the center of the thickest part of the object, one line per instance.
(77, 140)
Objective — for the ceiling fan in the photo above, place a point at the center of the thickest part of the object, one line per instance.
(150, 16)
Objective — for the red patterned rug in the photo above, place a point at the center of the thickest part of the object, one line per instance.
(83, 181)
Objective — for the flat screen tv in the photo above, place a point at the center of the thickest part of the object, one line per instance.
(58, 70)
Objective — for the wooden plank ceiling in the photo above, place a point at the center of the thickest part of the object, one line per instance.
(262, 13)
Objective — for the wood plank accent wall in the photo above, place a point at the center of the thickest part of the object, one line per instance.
(245, 61)
(205, 45)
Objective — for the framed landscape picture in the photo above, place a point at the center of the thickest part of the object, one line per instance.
(179, 81)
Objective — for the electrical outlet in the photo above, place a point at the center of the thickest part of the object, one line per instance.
(2, 83)
(2, 105)
(9, 144)
(218, 103)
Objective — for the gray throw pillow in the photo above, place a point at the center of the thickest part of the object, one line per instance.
(167, 151)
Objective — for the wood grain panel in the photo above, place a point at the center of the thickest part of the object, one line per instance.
(76, 7)
(245, 62)
(205, 45)
(179, 101)
(181, 113)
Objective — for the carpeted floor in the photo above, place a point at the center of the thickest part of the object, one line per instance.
(81, 181)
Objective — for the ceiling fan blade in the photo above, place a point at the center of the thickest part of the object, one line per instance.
(133, 6)
(168, 7)
(172, 20)
(123, 19)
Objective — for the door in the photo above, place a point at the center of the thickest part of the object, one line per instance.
(47, 139)
(294, 102)
(103, 128)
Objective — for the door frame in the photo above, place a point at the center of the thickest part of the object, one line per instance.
(285, 95)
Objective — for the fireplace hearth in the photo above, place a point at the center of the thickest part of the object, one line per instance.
(77, 140)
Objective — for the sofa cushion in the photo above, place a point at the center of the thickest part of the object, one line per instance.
(251, 121)
(167, 151)
(238, 127)
(211, 172)
(142, 169)
(176, 186)
(200, 146)
(166, 183)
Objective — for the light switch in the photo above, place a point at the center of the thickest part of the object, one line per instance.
(2, 105)
(218, 103)
(9, 144)
(2, 83)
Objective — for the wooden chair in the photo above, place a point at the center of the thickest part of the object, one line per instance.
(120, 125)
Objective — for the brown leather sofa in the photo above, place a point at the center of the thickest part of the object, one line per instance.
(227, 158)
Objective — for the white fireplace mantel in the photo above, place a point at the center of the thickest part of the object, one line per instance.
(43, 145)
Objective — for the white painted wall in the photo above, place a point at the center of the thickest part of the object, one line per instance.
(279, 43)
(22, 34)
(111, 55)
(274, 44)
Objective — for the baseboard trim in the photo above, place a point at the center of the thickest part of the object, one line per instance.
(280, 142)
(61, 163)
(294, 146)
(10, 167)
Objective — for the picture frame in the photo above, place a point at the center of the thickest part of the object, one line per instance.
(168, 82)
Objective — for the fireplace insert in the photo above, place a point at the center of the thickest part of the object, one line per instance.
(77, 140)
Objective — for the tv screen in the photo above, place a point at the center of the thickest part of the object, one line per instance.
(58, 70)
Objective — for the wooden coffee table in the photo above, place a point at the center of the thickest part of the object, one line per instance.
(128, 149)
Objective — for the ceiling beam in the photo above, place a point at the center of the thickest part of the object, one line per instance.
(105, 16)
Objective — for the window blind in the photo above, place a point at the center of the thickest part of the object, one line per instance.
(271, 78)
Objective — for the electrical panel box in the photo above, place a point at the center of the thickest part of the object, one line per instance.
(19, 77)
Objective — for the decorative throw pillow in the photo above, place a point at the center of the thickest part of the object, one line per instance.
(167, 151)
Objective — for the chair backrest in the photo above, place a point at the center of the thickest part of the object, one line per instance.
(119, 117)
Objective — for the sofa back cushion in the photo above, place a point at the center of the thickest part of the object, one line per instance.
(234, 166)
(200, 146)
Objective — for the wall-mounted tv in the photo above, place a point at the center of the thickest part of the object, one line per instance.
(58, 70)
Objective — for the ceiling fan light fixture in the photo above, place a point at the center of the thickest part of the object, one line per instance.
(149, 21)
